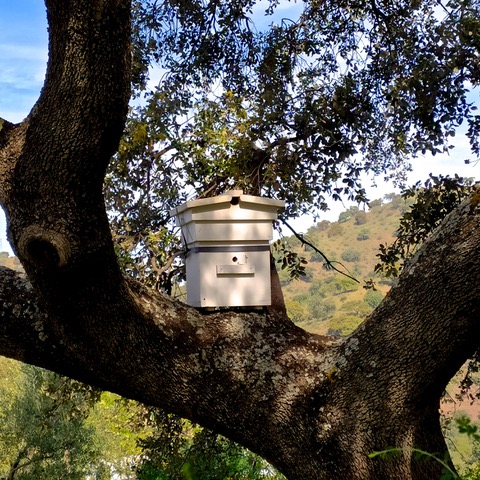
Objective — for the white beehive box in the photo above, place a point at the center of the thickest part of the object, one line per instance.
(227, 240)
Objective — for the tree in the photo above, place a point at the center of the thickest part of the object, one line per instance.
(360, 218)
(314, 407)
(43, 432)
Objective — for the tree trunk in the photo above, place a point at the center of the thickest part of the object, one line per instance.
(315, 407)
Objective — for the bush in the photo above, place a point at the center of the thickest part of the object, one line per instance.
(351, 256)
(307, 276)
(316, 257)
(321, 310)
(373, 298)
(375, 203)
(345, 284)
(335, 230)
(360, 218)
(356, 308)
(363, 234)
(317, 290)
(394, 199)
(343, 325)
(297, 311)
(344, 216)
(323, 225)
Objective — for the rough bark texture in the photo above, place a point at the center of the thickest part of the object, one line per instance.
(315, 407)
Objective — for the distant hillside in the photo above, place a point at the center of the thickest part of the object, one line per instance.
(324, 301)
(11, 262)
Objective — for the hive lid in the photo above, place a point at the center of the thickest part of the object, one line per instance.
(236, 195)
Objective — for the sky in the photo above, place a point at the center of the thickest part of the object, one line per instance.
(23, 57)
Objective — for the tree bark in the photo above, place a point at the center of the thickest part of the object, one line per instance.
(315, 407)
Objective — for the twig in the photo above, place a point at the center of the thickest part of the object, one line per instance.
(327, 261)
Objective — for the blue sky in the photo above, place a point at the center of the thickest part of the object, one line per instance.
(23, 57)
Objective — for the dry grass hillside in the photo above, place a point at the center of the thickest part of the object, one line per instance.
(324, 301)
(11, 262)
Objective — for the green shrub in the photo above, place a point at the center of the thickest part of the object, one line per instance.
(343, 325)
(316, 257)
(323, 225)
(351, 256)
(356, 308)
(363, 234)
(317, 290)
(373, 298)
(344, 216)
(375, 203)
(297, 311)
(321, 310)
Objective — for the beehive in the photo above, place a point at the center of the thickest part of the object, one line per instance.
(227, 241)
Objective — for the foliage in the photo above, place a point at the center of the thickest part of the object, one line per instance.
(288, 108)
(363, 234)
(351, 255)
(356, 308)
(375, 203)
(344, 216)
(321, 309)
(472, 473)
(119, 427)
(180, 451)
(317, 257)
(297, 311)
(360, 218)
(348, 214)
(302, 299)
(42, 429)
(289, 260)
(373, 298)
(335, 230)
(437, 197)
(323, 225)
(296, 110)
(343, 324)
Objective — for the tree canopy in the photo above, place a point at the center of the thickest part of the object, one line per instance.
(298, 108)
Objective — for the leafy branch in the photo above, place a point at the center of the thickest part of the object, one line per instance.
(433, 201)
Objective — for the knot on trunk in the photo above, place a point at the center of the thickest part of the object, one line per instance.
(44, 248)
